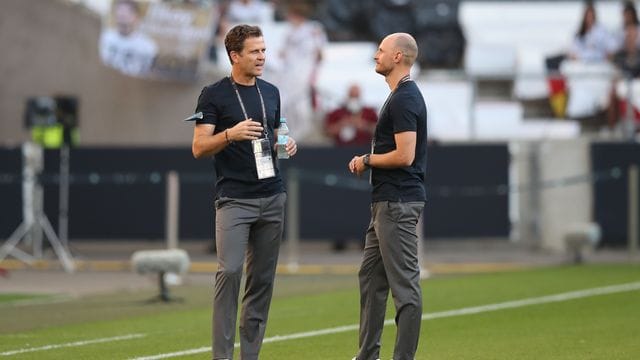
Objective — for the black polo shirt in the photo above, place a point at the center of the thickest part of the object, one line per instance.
(235, 165)
(405, 110)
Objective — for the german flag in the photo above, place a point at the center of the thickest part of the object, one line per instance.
(558, 95)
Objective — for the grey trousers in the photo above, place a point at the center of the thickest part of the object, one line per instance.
(391, 262)
(251, 227)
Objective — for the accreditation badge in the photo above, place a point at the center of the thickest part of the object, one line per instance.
(264, 161)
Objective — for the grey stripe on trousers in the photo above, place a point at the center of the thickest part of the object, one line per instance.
(252, 227)
(390, 261)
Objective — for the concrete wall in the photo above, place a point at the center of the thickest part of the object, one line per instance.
(51, 48)
(564, 206)
(548, 208)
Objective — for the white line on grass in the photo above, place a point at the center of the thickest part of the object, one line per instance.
(442, 314)
(38, 301)
(73, 344)
(533, 301)
(276, 338)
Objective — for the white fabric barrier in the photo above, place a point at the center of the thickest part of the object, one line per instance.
(589, 86)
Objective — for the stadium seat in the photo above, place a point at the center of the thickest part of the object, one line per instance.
(497, 119)
(512, 38)
(347, 63)
(490, 60)
(448, 106)
(530, 81)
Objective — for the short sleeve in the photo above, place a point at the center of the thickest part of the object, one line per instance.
(403, 110)
(207, 107)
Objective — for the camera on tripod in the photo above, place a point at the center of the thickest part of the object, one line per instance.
(53, 121)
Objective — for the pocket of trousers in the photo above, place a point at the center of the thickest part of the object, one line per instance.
(222, 202)
(396, 210)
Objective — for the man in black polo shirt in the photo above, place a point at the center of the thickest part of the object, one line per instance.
(237, 122)
(397, 162)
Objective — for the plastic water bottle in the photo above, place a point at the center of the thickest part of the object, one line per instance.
(283, 138)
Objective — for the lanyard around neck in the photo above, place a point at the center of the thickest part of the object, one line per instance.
(244, 110)
(404, 79)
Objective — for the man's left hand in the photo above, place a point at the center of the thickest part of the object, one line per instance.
(291, 147)
(357, 166)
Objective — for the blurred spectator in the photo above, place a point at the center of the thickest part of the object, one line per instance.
(627, 61)
(234, 12)
(252, 12)
(247, 12)
(592, 43)
(629, 14)
(301, 54)
(629, 17)
(198, 3)
(352, 123)
(124, 47)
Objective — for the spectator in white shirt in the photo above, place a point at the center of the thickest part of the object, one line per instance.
(247, 12)
(124, 47)
(301, 55)
(592, 43)
(629, 17)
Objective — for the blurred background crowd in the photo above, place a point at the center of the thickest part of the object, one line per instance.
(492, 70)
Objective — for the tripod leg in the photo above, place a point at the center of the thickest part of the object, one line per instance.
(60, 251)
(22, 256)
(164, 290)
(9, 247)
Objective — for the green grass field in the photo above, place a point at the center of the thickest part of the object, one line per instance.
(507, 315)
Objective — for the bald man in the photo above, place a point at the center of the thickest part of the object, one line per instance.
(397, 162)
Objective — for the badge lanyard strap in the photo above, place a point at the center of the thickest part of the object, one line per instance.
(244, 111)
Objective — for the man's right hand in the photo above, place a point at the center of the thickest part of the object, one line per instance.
(245, 130)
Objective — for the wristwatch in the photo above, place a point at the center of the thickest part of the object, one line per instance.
(365, 160)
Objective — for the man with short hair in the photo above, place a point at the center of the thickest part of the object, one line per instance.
(397, 163)
(237, 119)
